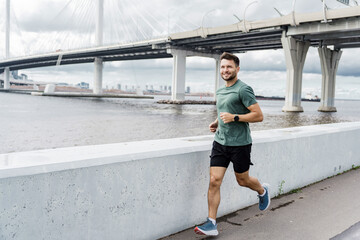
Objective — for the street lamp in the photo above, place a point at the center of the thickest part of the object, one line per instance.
(202, 22)
(245, 14)
(237, 17)
(324, 10)
(293, 13)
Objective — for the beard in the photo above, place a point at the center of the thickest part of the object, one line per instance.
(229, 78)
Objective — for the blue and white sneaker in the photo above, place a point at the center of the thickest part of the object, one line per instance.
(264, 201)
(208, 228)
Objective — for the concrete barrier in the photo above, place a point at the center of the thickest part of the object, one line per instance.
(150, 189)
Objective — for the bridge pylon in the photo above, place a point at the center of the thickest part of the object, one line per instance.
(7, 44)
(98, 75)
(295, 54)
(98, 63)
(329, 64)
(178, 76)
(179, 70)
(218, 80)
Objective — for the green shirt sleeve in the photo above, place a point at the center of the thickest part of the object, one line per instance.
(247, 96)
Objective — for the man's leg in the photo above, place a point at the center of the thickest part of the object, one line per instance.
(210, 227)
(245, 180)
(216, 177)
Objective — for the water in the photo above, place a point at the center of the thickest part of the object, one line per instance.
(32, 123)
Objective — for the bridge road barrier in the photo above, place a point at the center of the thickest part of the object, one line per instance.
(151, 189)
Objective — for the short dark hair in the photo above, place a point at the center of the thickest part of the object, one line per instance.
(229, 56)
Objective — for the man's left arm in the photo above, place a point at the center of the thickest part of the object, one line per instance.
(255, 115)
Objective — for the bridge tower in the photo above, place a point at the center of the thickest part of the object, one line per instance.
(7, 44)
(98, 63)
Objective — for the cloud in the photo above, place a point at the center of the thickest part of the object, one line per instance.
(47, 25)
(46, 16)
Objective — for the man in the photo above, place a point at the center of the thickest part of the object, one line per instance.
(237, 107)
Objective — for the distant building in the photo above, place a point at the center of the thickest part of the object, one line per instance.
(23, 76)
(187, 90)
(83, 85)
(15, 74)
(119, 86)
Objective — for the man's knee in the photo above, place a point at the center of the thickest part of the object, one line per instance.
(242, 181)
(215, 181)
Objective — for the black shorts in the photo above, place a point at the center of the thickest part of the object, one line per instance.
(221, 156)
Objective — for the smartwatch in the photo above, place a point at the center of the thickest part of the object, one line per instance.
(236, 118)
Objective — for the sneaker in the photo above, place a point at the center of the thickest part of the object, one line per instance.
(208, 228)
(264, 202)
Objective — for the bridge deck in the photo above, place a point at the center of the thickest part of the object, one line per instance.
(340, 29)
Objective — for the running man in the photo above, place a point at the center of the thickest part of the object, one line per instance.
(236, 107)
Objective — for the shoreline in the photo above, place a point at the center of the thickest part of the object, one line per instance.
(74, 92)
(259, 97)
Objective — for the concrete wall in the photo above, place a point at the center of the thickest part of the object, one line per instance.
(150, 189)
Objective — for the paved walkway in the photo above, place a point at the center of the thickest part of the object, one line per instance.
(329, 209)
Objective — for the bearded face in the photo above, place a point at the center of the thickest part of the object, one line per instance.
(228, 70)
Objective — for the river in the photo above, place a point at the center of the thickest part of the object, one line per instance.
(31, 123)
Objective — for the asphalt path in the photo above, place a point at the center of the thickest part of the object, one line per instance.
(329, 209)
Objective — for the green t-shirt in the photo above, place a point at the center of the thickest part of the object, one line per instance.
(235, 100)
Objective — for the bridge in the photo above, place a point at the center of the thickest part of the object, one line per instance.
(329, 31)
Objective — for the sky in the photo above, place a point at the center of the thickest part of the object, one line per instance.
(47, 25)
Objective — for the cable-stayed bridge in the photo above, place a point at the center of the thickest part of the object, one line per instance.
(329, 31)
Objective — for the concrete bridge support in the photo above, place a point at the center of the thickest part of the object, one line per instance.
(6, 78)
(178, 76)
(98, 72)
(329, 63)
(179, 71)
(218, 80)
(295, 54)
(7, 44)
(98, 63)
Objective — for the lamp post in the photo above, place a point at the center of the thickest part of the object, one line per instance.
(245, 14)
(237, 17)
(324, 10)
(293, 13)
(202, 22)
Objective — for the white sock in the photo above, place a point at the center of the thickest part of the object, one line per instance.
(263, 193)
(213, 221)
